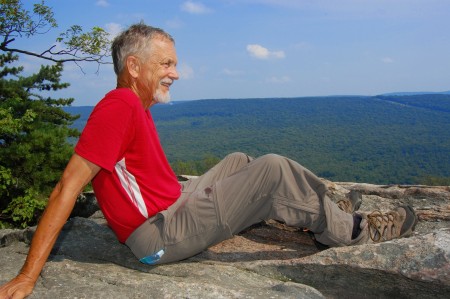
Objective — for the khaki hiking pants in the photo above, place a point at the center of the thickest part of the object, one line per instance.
(235, 194)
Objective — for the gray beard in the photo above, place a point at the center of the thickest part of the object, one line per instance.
(162, 98)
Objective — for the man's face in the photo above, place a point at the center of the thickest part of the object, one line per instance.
(159, 71)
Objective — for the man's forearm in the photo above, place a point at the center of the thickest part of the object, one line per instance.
(77, 174)
(58, 210)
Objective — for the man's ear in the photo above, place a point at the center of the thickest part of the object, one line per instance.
(133, 66)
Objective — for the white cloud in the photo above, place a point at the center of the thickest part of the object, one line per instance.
(387, 60)
(185, 71)
(279, 80)
(277, 54)
(195, 7)
(260, 52)
(102, 3)
(113, 29)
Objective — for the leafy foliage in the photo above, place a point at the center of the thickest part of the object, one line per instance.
(34, 129)
(73, 45)
(195, 167)
(33, 139)
(25, 209)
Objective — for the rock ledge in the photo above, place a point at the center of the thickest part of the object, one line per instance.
(266, 261)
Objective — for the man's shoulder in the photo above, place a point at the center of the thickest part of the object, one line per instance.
(120, 97)
(123, 94)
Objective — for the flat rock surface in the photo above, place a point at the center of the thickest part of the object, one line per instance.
(266, 261)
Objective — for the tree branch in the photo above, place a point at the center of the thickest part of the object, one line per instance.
(97, 58)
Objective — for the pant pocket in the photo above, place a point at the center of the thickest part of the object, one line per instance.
(192, 216)
(146, 239)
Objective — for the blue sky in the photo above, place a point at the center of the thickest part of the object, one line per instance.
(273, 48)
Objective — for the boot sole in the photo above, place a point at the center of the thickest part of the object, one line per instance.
(410, 222)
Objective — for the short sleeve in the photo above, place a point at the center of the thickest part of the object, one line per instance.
(107, 132)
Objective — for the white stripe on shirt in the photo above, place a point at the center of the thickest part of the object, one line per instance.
(131, 186)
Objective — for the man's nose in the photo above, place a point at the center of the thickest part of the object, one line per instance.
(174, 74)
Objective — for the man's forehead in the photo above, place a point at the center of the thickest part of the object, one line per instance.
(163, 43)
(159, 38)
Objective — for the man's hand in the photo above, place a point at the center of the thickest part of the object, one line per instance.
(18, 288)
(77, 174)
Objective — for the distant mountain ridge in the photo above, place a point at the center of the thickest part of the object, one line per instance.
(400, 93)
(409, 93)
(375, 139)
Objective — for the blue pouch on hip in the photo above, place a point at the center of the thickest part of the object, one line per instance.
(152, 259)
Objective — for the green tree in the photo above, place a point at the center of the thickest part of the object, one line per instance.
(34, 129)
(197, 167)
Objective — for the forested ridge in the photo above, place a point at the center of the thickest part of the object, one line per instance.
(377, 139)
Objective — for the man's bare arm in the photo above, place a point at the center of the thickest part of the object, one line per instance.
(78, 173)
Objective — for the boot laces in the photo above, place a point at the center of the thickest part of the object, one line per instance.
(345, 205)
(384, 226)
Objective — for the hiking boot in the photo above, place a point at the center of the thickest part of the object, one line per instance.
(351, 202)
(391, 225)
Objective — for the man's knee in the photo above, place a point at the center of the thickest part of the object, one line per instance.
(273, 159)
(271, 163)
(238, 156)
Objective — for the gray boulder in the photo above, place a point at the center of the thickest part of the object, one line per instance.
(268, 260)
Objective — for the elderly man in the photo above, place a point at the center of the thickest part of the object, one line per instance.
(162, 221)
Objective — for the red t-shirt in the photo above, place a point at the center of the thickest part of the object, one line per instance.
(136, 180)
